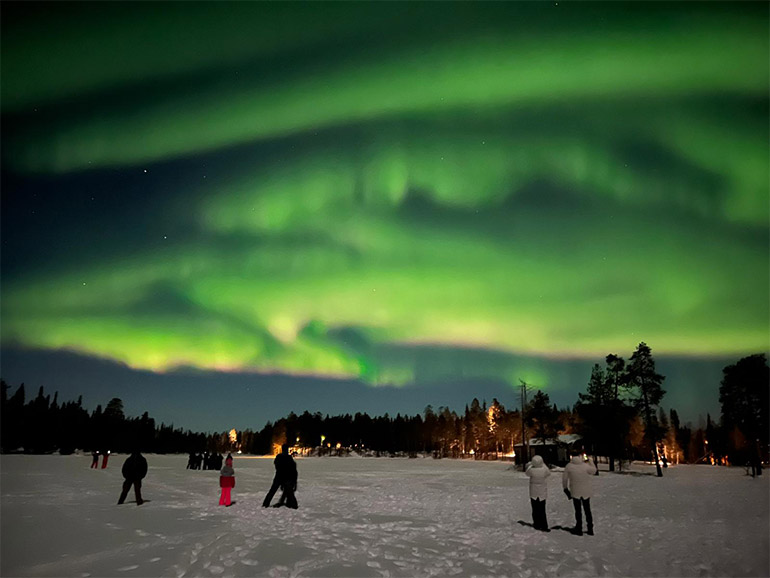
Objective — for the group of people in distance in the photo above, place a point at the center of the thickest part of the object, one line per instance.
(577, 481)
(135, 469)
(208, 461)
(95, 458)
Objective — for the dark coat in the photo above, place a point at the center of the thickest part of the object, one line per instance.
(285, 468)
(135, 467)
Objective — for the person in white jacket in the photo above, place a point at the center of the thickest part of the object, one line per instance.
(578, 481)
(538, 472)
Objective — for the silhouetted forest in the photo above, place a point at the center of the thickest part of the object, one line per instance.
(619, 417)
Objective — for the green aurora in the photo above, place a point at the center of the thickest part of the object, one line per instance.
(556, 181)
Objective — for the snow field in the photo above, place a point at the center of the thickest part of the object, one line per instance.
(374, 517)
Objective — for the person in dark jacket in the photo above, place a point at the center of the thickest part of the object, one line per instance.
(285, 478)
(95, 459)
(134, 470)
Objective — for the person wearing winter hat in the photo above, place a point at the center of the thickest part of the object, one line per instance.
(577, 480)
(226, 482)
(538, 473)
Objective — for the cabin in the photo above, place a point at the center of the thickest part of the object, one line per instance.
(555, 451)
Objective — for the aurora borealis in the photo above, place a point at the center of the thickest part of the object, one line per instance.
(397, 194)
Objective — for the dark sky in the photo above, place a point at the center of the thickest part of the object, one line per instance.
(221, 212)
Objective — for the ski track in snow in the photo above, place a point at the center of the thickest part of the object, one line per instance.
(374, 517)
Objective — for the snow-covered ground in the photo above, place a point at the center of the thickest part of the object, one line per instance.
(374, 517)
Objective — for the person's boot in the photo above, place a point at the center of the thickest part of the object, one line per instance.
(576, 531)
(590, 531)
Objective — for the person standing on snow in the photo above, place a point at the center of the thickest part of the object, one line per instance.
(538, 472)
(578, 481)
(285, 478)
(226, 482)
(95, 459)
(134, 470)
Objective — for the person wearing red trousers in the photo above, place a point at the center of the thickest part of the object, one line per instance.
(94, 459)
(226, 482)
(105, 457)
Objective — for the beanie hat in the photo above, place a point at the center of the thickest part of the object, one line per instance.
(229, 461)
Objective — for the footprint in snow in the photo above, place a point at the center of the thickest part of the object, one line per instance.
(127, 568)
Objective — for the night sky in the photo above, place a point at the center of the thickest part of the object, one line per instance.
(224, 212)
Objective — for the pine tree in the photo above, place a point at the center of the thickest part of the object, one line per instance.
(542, 417)
(641, 375)
(595, 409)
(743, 395)
(620, 414)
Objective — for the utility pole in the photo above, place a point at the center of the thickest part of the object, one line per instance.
(524, 444)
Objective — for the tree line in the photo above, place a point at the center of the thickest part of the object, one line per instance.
(619, 417)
